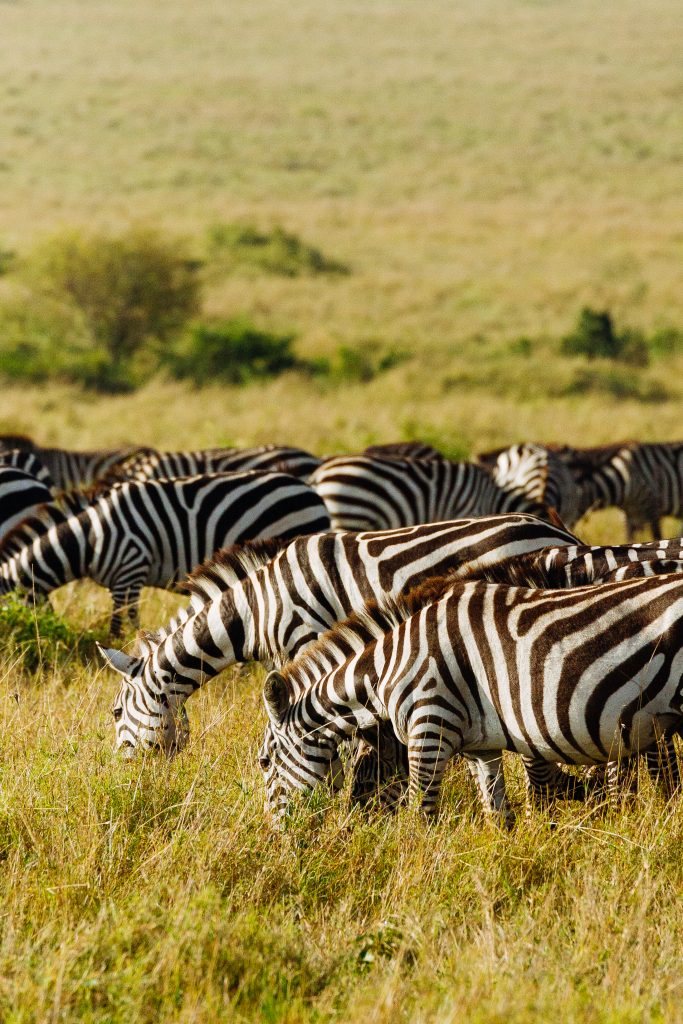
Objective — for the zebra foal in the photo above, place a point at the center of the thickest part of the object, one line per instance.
(580, 676)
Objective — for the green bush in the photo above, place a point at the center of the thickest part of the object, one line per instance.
(36, 637)
(39, 341)
(276, 252)
(127, 289)
(233, 351)
(595, 337)
(361, 363)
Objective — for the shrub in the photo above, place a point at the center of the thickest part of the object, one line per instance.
(594, 337)
(235, 351)
(276, 252)
(127, 288)
(38, 637)
(362, 363)
(40, 342)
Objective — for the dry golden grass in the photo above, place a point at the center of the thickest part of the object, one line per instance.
(486, 170)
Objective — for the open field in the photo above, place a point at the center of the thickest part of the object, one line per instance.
(485, 170)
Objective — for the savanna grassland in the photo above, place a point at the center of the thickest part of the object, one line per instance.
(484, 170)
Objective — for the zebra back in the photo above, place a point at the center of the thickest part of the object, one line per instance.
(370, 493)
(265, 458)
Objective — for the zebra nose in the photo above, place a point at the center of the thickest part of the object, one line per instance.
(126, 749)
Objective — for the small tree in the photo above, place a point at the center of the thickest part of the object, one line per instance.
(128, 288)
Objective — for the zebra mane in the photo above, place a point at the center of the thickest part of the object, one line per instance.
(147, 641)
(373, 621)
(521, 571)
(229, 566)
(20, 441)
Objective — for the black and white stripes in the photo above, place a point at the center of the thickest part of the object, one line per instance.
(154, 533)
(374, 493)
(579, 676)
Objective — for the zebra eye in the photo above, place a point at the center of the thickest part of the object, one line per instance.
(118, 712)
(264, 761)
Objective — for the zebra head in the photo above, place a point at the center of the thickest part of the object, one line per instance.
(294, 756)
(145, 717)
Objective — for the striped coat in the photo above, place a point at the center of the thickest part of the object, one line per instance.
(153, 534)
(373, 493)
(268, 457)
(579, 676)
(250, 605)
(539, 474)
(29, 463)
(20, 494)
(72, 469)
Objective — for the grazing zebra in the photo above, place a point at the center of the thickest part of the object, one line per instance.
(371, 493)
(20, 494)
(644, 480)
(268, 457)
(153, 533)
(579, 676)
(29, 463)
(539, 474)
(249, 605)
(71, 469)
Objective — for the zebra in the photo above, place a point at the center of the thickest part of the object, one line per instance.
(257, 603)
(644, 480)
(20, 494)
(559, 567)
(29, 463)
(71, 469)
(580, 676)
(538, 473)
(154, 533)
(373, 493)
(403, 450)
(165, 465)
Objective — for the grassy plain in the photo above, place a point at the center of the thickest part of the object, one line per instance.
(485, 170)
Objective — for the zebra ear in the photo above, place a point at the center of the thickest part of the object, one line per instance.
(118, 660)
(276, 697)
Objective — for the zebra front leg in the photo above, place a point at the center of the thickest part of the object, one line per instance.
(487, 770)
(126, 600)
(380, 769)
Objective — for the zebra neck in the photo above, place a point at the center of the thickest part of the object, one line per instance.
(339, 704)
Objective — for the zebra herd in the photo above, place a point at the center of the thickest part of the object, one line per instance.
(408, 608)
